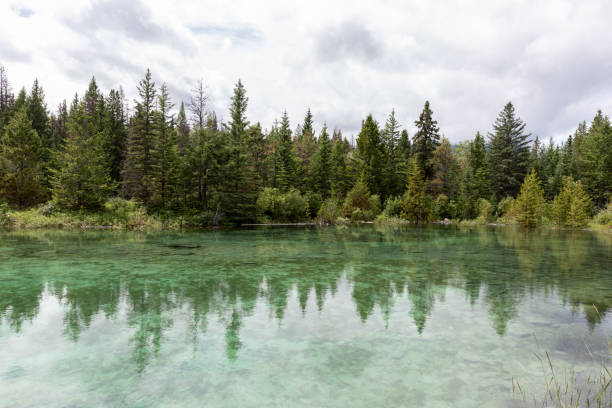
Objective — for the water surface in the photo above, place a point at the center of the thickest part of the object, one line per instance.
(296, 317)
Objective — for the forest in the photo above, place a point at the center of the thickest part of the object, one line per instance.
(101, 160)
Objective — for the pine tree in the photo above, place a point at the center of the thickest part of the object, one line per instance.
(59, 124)
(425, 141)
(414, 201)
(305, 148)
(36, 109)
(197, 104)
(571, 206)
(165, 164)
(182, 127)
(205, 155)
(81, 180)
(258, 148)
(371, 156)
(394, 181)
(21, 163)
(287, 173)
(139, 150)
(475, 183)
(339, 174)
(322, 165)
(116, 137)
(403, 157)
(7, 100)
(595, 162)
(241, 187)
(446, 171)
(508, 153)
(529, 205)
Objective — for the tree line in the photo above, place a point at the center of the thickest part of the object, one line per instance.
(95, 149)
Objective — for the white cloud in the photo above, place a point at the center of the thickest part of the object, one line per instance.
(344, 59)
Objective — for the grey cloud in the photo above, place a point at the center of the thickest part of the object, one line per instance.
(10, 53)
(130, 18)
(350, 39)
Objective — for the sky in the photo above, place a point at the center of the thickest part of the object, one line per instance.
(343, 59)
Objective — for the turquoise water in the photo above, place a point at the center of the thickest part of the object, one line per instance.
(296, 317)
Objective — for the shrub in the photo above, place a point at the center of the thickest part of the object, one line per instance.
(6, 220)
(270, 204)
(604, 217)
(295, 206)
(122, 209)
(314, 201)
(445, 208)
(274, 205)
(393, 207)
(48, 209)
(329, 212)
(485, 211)
(359, 205)
(505, 207)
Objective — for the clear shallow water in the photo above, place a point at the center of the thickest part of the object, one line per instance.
(296, 317)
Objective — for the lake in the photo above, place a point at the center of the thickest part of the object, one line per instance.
(297, 317)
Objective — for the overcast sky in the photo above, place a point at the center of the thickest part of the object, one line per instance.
(344, 59)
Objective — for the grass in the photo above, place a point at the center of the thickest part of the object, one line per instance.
(566, 389)
(116, 215)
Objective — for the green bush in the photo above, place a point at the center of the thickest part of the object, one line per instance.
(295, 206)
(393, 207)
(329, 212)
(359, 205)
(505, 207)
(6, 221)
(485, 211)
(445, 208)
(273, 205)
(314, 201)
(604, 217)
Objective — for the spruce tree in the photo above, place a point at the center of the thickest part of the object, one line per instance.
(446, 171)
(305, 148)
(115, 140)
(140, 150)
(529, 205)
(394, 181)
(21, 163)
(508, 153)
(339, 174)
(475, 182)
(205, 155)
(371, 156)
(7, 99)
(403, 157)
(182, 128)
(36, 109)
(414, 201)
(595, 162)
(322, 164)
(571, 206)
(81, 180)
(240, 182)
(165, 164)
(287, 174)
(259, 149)
(425, 141)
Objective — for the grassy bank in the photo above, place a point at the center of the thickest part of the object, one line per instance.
(116, 215)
